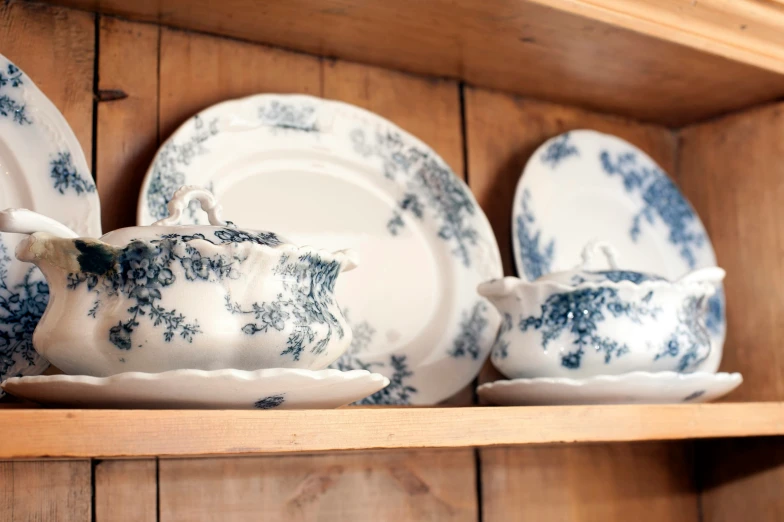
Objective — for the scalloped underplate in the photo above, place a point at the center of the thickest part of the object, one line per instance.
(629, 388)
(280, 389)
(334, 176)
(43, 169)
(584, 185)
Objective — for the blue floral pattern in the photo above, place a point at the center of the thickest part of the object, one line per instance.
(501, 345)
(579, 312)
(693, 396)
(661, 198)
(287, 116)
(715, 319)
(558, 150)
(687, 343)
(11, 78)
(167, 175)
(311, 285)
(426, 177)
(66, 176)
(616, 276)
(269, 403)
(21, 307)
(468, 342)
(536, 256)
(143, 270)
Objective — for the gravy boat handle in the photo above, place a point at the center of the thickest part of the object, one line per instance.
(23, 221)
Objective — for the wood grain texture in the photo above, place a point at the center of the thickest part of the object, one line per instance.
(389, 486)
(127, 127)
(55, 47)
(126, 491)
(668, 61)
(732, 172)
(94, 433)
(54, 490)
(646, 482)
(601, 482)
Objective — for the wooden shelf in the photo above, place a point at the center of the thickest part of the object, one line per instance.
(671, 61)
(38, 433)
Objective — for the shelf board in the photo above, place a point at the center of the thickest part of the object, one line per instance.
(670, 61)
(40, 433)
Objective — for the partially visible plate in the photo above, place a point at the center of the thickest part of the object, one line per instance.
(43, 169)
(629, 388)
(334, 176)
(584, 185)
(280, 389)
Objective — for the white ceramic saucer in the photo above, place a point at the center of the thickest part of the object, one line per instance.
(334, 176)
(584, 185)
(44, 169)
(629, 388)
(282, 388)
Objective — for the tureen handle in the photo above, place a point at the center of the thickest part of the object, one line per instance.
(607, 249)
(184, 195)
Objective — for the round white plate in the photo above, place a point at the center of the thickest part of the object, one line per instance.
(334, 176)
(584, 185)
(280, 388)
(629, 388)
(43, 169)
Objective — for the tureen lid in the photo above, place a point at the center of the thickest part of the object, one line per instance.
(218, 229)
(582, 274)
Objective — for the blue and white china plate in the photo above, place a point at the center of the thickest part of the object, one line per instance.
(44, 169)
(278, 389)
(334, 176)
(584, 185)
(628, 388)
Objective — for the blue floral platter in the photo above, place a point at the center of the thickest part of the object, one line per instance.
(333, 176)
(584, 185)
(44, 169)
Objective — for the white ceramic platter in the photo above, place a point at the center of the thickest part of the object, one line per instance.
(282, 389)
(42, 168)
(629, 388)
(334, 176)
(584, 185)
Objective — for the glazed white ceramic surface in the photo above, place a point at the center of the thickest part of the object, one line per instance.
(43, 169)
(332, 175)
(630, 388)
(584, 185)
(583, 323)
(166, 297)
(280, 389)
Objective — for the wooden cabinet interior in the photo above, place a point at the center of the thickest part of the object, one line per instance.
(730, 167)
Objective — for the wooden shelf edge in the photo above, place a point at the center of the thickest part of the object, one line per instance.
(745, 31)
(39, 433)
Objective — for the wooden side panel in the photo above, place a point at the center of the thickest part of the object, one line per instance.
(45, 490)
(126, 491)
(127, 124)
(55, 47)
(732, 171)
(389, 486)
(649, 482)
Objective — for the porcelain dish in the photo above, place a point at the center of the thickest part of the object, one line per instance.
(167, 297)
(331, 175)
(584, 185)
(630, 388)
(44, 169)
(582, 323)
(279, 389)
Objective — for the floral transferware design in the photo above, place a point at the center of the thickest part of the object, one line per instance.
(311, 282)
(558, 150)
(167, 175)
(579, 312)
(424, 176)
(661, 198)
(468, 341)
(688, 342)
(269, 403)
(501, 345)
(288, 116)
(11, 78)
(616, 276)
(536, 257)
(21, 307)
(66, 176)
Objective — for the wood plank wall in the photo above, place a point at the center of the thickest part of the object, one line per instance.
(141, 81)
